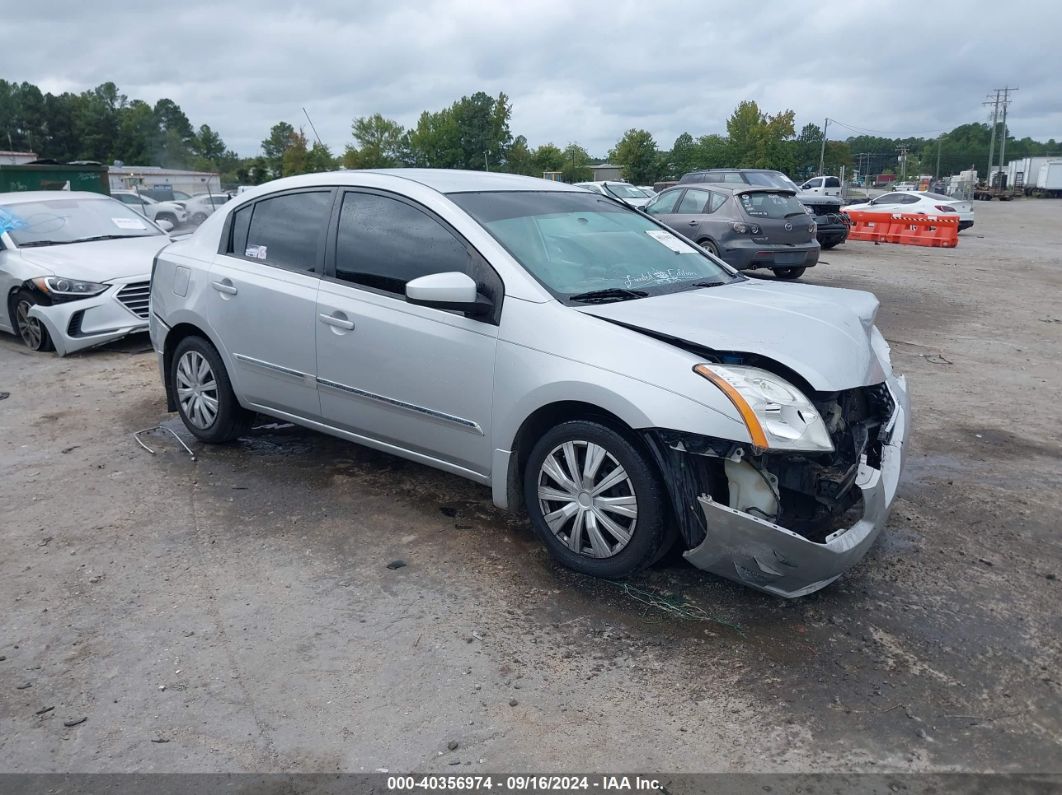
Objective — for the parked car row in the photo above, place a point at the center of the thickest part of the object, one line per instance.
(626, 387)
(919, 203)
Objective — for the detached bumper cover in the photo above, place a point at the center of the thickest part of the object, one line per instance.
(765, 556)
(88, 322)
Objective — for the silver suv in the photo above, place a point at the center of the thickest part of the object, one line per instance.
(580, 359)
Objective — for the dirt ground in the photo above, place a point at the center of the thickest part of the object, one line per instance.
(236, 613)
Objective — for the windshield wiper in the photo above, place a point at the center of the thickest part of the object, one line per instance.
(794, 214)
(610, 294)
(103, 237)
(709, 284)
(34, 243)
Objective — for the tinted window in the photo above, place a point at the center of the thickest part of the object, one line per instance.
(665, 204)
(384, 243)
(833, 182)
(693, 202)
(241, 220)
(888, 198)
(286, 230)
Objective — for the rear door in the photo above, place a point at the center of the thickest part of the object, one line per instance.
(781, 218)
(263, 298)
(413, 377)
(688, 215)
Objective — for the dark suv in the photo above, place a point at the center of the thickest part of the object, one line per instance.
(832, 223)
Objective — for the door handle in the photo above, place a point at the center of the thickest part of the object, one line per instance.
(694, 223)
(224, 287)
(337, 322)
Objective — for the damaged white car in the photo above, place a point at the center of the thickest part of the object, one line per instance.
(583, 361)
(74, 269)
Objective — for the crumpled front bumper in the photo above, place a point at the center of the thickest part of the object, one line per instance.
(765, 556)
(88, 322)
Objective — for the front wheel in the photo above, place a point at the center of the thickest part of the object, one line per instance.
(167, 217)
(595, 500)
(33, 332)
(205, 400)
(789, 273)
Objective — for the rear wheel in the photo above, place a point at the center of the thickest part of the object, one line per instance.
(828, 246)
(167, 217)
(205, 400)
(789, 273)
(33, 332)
(595, 500)
(709, 246)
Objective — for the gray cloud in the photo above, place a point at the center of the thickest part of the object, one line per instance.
(575, 71)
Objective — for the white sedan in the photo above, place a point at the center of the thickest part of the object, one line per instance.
(914, 202)
(76, 268)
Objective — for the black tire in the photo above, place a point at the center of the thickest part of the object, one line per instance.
(828, 246)
(648, 528)
(789, 273)
(167, 217)
(229, 419)
(709, 246)
(197, 218)
(33, 333)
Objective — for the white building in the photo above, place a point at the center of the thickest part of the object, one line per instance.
(16, 158)
(153, 178)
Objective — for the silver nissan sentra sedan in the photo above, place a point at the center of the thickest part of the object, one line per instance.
(589, 365)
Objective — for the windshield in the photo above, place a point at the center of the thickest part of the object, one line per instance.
(623, 191)
(771, 179)
(770, 205)
(71, 220)
(576, 243)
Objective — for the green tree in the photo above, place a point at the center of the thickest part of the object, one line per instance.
(547, 158)
(520, 159)
(382, 143)
(576, 164)
(685, 156)
(636, 152)
(295, 159)
(758, 140)
(281, 137)
(713, 151)
(319, 159)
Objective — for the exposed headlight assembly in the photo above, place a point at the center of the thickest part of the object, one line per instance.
(775, 412)
(60, 288)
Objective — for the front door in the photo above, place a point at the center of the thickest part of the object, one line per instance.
(411, 378)
(263, 299)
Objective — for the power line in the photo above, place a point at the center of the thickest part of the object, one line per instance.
(892, 134)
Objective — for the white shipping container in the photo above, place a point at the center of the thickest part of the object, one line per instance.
(1050, 176)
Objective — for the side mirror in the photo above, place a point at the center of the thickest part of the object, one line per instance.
(164, 225)
(452, 290)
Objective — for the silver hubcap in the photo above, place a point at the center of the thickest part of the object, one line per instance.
(28, 327)
(587, 499)
(197, 390)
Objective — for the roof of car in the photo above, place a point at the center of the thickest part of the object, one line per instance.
(20, 197)
(457, 181)
(730, 187)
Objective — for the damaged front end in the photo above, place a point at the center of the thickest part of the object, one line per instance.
(782, 521)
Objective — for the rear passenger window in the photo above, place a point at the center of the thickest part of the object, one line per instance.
(833, 182)
(693, 203)
(286, 230)
(241, 221)
(384, 243)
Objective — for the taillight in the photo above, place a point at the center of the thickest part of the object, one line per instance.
(945, 208)
(745, 229)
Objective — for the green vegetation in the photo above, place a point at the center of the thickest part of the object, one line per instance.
(473, 132)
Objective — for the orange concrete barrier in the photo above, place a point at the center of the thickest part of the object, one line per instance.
(940, 231)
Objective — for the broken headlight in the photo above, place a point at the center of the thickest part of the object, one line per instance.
(776, 413)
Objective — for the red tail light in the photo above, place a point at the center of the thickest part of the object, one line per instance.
(945, 208)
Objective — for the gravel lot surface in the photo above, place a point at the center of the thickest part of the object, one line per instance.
(238, 613)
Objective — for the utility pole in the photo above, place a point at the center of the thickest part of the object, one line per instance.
(822, 150)
(903, 162)
(315, 135)
(992, 144)
(936, 173)
(1003, 140)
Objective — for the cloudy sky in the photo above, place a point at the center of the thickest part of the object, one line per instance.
(575, 70)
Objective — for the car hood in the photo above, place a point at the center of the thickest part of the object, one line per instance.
(823, 333)
(98, 260)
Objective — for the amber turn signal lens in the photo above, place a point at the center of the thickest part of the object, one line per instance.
(752, 422)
